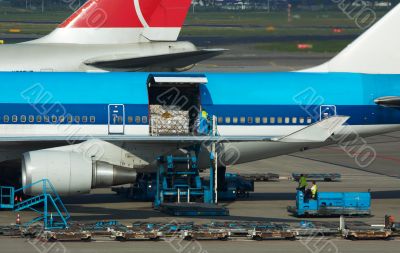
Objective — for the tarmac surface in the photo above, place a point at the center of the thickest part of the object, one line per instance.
(267, 203)
(245, 58)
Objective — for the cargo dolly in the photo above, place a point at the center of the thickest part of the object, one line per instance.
(260, 177)
(364, 232)
(327, 177)
(212, 231)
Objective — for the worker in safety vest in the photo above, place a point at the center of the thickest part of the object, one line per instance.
(204, 114)
(204, 124)
(302, 183)
(314, 190)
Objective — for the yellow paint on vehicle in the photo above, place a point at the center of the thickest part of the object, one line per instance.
(14, 30)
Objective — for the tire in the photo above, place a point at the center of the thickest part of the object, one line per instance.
(89, 239)
(257, 238)
(188, 238)
(155, 239)
(225, 238)
(120, 239)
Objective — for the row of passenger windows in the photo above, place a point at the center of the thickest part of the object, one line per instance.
(144, 119)
(137, 119)
(46, 119)
(69, 119)
(264, 120)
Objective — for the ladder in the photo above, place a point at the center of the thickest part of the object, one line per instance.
(52, 211)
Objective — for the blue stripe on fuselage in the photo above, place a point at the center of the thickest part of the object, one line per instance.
(360, 115)
(226, 94)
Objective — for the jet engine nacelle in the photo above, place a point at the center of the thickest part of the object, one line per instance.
(71, 173)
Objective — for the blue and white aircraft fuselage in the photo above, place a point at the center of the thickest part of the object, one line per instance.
(53, 119)
(257, 104)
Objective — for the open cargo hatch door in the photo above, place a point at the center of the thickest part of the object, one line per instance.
(174, 103)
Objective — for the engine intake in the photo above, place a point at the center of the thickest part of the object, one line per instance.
(70, 172)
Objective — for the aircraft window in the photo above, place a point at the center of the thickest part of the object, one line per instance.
(31, 118)
(309, 120)
(144, 119)
(137, 119)
(39, 118)
(61, 119)
(272, 120)
(14, 118)
(227, 120)
(84, 119)
(130, 119)
(257, 120)
(220, 120)
(242, 120)
(54, 119)
(92, 119)
(6, 118)
(265, 120)
(23, 118)
(46, 118)
(77, 119)
(301, 120)
(287, 120)
(69, 119)
(250, 120)
(294, 120)
(235, 120)
(280, 120)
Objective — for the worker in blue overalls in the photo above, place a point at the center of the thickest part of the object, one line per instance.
(204, 124)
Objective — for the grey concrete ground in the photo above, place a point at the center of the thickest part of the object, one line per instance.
(268, 203)
(245, 58)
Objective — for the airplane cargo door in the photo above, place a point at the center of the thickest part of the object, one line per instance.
(327, 111)
(116, 119)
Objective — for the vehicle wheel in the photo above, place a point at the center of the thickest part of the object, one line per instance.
(52, 239)
(88, 239)
(353, 238)
(155, 239)
(257, 238)
(188, 238)
(120, 239)
(225, 238)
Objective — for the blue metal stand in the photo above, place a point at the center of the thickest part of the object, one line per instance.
(177, 184)
(6, 197)
(53, 214)
(174, 183)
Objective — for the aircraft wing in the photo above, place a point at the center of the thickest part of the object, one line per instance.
(315, 133)
(390, 101)
(165, 61)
